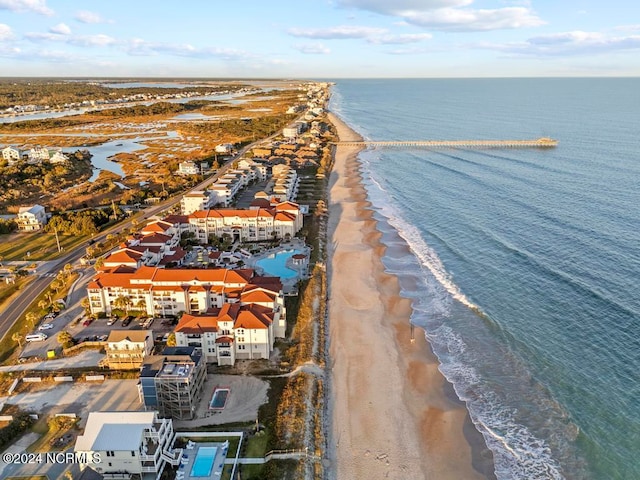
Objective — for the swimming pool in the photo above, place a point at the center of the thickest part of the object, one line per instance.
(275, 264)
(219, 398)
(203, 462)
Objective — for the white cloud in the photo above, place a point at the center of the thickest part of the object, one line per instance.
(396, 7)
(457, 19)
(61, 29)
(453, 15)
(22, 6)
(140, 47)
(568, 44)
(98, 40)
(313, 49)
(400, 39)
(5, 32)
(332, 33)
(85, 16)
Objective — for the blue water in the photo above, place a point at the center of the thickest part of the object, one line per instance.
(275, 264)
(219, 399)
(524, 265)
(203, 462)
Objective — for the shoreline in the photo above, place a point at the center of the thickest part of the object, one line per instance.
(391, 411)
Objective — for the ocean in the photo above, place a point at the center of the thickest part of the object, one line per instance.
(525, 263)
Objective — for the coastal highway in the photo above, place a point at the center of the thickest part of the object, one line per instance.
(21, 303)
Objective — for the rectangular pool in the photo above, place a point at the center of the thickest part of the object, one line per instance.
(219, 398)
(203, 463)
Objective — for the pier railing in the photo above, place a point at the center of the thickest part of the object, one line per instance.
(537, 143)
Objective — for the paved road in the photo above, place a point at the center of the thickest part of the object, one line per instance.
(21, 303)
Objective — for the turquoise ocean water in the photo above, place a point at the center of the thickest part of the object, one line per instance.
(525, 263)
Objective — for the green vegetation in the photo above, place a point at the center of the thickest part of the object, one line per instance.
(7, 290)
(85, 222)
(41, 305)
(19, 425)
(7, 226)
(39, 246)
(55, 93)
(50, 431)
(244, 129)
(23, 181)
(160, 108)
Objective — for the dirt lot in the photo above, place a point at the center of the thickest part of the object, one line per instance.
(79, 398)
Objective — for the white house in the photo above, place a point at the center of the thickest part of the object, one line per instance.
(224, 148)
(31, 219)
(126, 349)
(188, 168)
(11, 155)
(138, 443)
(38, 155)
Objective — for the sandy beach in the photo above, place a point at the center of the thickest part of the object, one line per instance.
(394, 415)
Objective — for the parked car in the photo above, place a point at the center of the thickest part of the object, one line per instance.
(127, 321)
(112, 320)
(87, 322)
(45, 326)
(51, 315)
(36, 337)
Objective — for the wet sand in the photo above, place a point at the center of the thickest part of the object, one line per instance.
(394, 416)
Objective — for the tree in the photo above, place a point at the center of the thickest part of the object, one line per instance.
(17, 337)
(84, 303)
(65, 339)
(56, 285)
(43, 304)
(171, 340)
(99, 262)
(68, 269)
(124, 302)
(141, 305)
(32, 317)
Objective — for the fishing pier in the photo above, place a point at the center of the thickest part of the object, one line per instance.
(543, 142)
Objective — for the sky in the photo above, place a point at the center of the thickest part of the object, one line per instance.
(319, 39)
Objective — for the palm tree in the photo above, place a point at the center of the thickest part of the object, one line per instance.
(171, 340)
(65, 339)
(17, 337)
(84, 303)
(56, 285)
(68, 269)
(124, 302)
(31, 318)
(141, 305)
(43, 304)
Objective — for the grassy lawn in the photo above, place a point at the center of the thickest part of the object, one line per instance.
(41, 246)
(31, 477)
(257, 446)
(7, 291)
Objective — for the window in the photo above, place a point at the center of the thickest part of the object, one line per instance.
(110, 453)
(241, 347)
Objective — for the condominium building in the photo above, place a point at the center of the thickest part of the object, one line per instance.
(233, 332)
(119, 445)
(255, 224)
(165, 292)
(172, 383)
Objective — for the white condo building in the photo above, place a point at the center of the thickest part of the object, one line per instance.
(255, 224)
